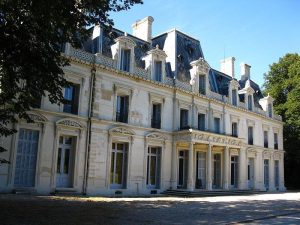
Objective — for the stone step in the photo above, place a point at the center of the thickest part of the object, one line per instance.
(24, 191)
(66, 192)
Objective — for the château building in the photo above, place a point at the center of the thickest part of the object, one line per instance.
(146, 114)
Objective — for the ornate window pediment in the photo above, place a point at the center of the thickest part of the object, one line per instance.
(37, 117)
(121, 131)
(156, 136)
(69, 122)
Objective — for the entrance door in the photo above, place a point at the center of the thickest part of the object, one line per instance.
(251, 173)
(64, 169)
(266, 173)
(234, 172)
(182, 168)
(201, 170)
(26, 158)
(216, 170)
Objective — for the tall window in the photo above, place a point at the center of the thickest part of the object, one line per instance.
(202, 84)
(234, 97)
(201, 121)
(217, 125)
(184, 119)
(156, 116)
(125, 60)
(276, 173)
(266, 173)
(270, 110)
(118, 170)
(71, 97)
(250, 107)
(153, 167)
(275, 141)
(250, 135)
(234, 129)
(266, 143)
(158, 71)
(122, 109)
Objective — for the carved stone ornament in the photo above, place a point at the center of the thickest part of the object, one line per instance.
(251, 153)
(69, 123)
(266, 155)
(156, 136)
(36, 117)
(276, 156)
(234, 152)
(121, 130)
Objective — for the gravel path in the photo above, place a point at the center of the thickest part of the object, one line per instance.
(281, 208)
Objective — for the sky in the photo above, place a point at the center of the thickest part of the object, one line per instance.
(257, 32)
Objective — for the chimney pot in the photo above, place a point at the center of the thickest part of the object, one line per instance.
(245, 71)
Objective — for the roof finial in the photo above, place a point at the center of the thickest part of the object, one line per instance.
(157, 46)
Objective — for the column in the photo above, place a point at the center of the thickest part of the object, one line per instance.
(173, 167)
(271, 174)
(242, 184)
(208, 179)
(226, 167)
(190, 181)
(281, 173)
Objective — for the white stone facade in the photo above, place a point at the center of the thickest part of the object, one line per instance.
(159, 143)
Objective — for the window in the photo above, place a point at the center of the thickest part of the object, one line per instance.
(217, 125)
(184, 119)
(266, 144)
(125, 60)
(250, 102)
(118, 170)
(158, 71)
(276, 173)
(250, 135)
(234, 130)
(122, 109)
(37, 102)
(71, 97)
(270, 110)
(275, 141)
(201, 121)
(156, 116)
(266, 173)
(234, 97)
(202, 84)
(153, 167)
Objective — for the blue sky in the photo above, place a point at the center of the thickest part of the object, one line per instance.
(257, 32)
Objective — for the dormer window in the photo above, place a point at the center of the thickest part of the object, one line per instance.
(202, 84)
(250, 104)
(125, 60)
(234, 97)
(158, 71)
(270, 110)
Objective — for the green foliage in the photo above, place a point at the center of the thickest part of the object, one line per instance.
(283, 83)
(31, 36)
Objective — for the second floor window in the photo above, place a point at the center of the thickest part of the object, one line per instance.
(158, 71)
(202, 84)
(125, 60)
(250, 135)
(71, 97)
(250, 102)
(122, 109)
(266, 144)
(217, 125)
(275, 141)
(234, 97)
(156, 116)
(184, 119)
(234, 129)
(201, 121)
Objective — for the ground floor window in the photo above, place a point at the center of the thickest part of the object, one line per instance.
(153, 167)
(201, 170)
(182, 168)
(26, 158)
(118, 170)
(266, 173)
(276, 173)
(216, 170)
(234, 172)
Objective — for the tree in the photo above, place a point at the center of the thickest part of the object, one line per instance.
(31, 35)
(283, 83)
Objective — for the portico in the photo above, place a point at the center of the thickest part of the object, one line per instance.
(207, 161)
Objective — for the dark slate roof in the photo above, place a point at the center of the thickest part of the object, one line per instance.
(219, 82)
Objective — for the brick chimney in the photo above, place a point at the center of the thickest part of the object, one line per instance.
(227, 66)
(143, 28)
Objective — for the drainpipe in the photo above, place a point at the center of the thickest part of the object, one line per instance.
(89, 130)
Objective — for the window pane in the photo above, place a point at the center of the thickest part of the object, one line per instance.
(157, 70)
(202, 85)
(234, 97)
(201, 121)
(112, 168)
(58, 160)
(67, 161)
(119, 168)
